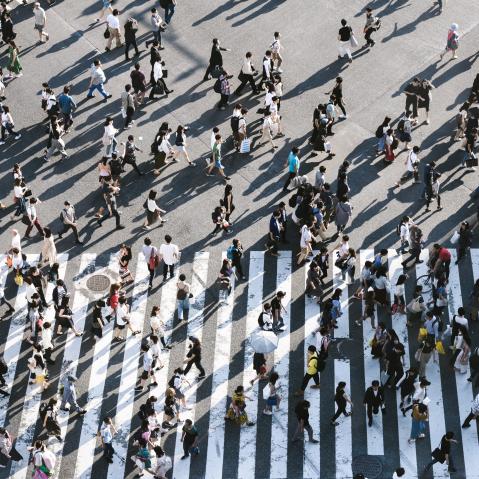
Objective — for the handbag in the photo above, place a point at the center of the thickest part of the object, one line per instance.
(418, 354)
(438, 455)
(440, 347)
(164, 71)
(353, 41)
(245, 146)
(455, 237)
(153, 261)
(414, 305)
(106, 33)
(18, 279)
(472, 161)
(241, 76)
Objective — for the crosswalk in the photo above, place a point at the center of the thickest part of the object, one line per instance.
(108, 373)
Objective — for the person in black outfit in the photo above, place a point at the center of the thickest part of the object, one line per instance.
(373, 400)
(129, 154)
(341, 399)
(194, 357)
(411, 91)
(407, 388)
(283, 221)
(322, 260)
(302, 413)
(277, 307)
(337, 92)
(216, 58)
(465, 240)
(237, 251)
(4, 370)
(474, 367)
(38, 280)
(443, 453)
(155, 56)
(394, 358)
(131, 27)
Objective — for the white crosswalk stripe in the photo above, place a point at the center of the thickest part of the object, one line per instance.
(214, 447)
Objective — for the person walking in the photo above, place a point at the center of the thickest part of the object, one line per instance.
(189, 438)
(70, 396)
(30, 218)
(312, 370)
(127, 106)
(7, 449)
(246, 75)
(216, 159)
(372, 25)
(67, 105)
(225, 90)
(343, 213)
(138, 82)
(49, 250)
(70, 221)
(107, 431)
(169, 7)
(420, 415)
(465, 240)
(56, 141)
(183, 294)
(276, 47)
(273, 397)
(170, 255)
(194, 357)
(302, 415)
(344, 36)
(97, 79)
(474, 414)
(7, 124)
(112, 208)
(113, 28)
(180, 145)
(373, 400)
(452, 43)
(293, 166)
(14, 66)
(131, 27)
(49, 412)
(40, 21)
(342, 399)
(129, 154)
(150, 254)
(234, 253)
(109, 136)
(158, 85)
(443, 452)
(215, 64)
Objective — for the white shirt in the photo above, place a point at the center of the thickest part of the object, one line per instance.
(30, 290)
(165, 145)
(113, 21)
(157, 324)
(246, 69)
(17, 261)
(152, 207)
(213, 139)
(242, 125)
(18, 191)
(399, 290)
(344, 249)
(267, 65)
(411, 159)
(110, 131)
(268, 98)
(267, 123)
(462, 321)
(32, 212)
(306, 236)
(16, 242)
(47, 338)
(147, 251)
(106, 433)
(169, 253)
(157, 71)
(276, 45)
(404, 233)
(147, 360)
(122, 314)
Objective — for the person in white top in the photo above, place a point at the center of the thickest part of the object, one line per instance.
(276, 48)
(266, 131)
(343, 247)
(153, 211)
(49, 250)
(122, 319)
(8, 125)
(159, 86)
(17, 260)
(32, 218)
(399, 298)
(158, 326)
(305, 242)
(404, 234)
(150, 253)
(47, 343)
(247, 75)
(412, 167)
(109, 139)
(170, 254)
(40, 21)
(114, 29)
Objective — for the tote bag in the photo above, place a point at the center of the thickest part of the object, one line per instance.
(245, 146)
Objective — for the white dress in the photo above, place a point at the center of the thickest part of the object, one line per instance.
(49, 250)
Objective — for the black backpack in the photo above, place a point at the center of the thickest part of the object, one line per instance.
(141, 412)
(260, 321)
(292, 200)
(401, 125)
(3, 366)
(115, 167)
(234, 123)
(217, 87)
(171, 382)
(380, 131)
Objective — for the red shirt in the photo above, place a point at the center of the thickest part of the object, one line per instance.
(444, 254)
(114, 300)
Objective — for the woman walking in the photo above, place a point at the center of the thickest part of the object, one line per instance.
(7, 124)
(183, 298)
(51, 418)
(465, 240)
(49, 250)
(158, 326)
(109, 137)
(237, 410)
(420, 416)
(227, 202)
(153, 211)
(7, 450)
(344, 211)
(124, 261)
(349, 266)
(399, 305)
(64, 317)
(194, 357)
(342, 399)
(452, 43)
(180, 145)
(272, 397)
(14, 66)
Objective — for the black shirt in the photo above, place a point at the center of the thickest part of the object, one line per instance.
(445, 445)
(275, 305)
(302, 413)
(338, 91)
(345, 33)
(195, 350)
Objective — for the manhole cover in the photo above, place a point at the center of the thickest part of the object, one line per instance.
(370, 466)
(98, 283)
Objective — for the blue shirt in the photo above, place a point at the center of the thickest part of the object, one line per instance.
(293, 163)
(66, 103)
(274, 227)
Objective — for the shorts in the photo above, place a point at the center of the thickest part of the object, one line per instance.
(39, 27)
(181, 148)
(272, 401)
(144, 375)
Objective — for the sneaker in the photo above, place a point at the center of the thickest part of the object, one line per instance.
(267, 413)
(202, 376)
(2, 142)
(313, 441)
(17, 137)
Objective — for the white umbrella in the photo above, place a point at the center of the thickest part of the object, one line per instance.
(264, 341)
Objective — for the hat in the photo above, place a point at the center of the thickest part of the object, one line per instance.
(454, 27)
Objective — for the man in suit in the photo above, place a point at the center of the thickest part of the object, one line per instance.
(373, 400)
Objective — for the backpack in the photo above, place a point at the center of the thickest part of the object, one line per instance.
(292, 200)
(217, 88)
(141, 412)
(234, 122)
(230, 252)
(401, 125)
(380, 131)
(440, 324)
(171, 382)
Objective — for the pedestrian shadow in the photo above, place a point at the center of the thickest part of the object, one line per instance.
(223, 8)
(266, 7)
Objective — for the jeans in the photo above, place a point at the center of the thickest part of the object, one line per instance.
(166, 267)
(183, 308)
(98, 87)
(111, 148)
(156, 37)
(169, 12)
(308, 428)
(129, 115)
